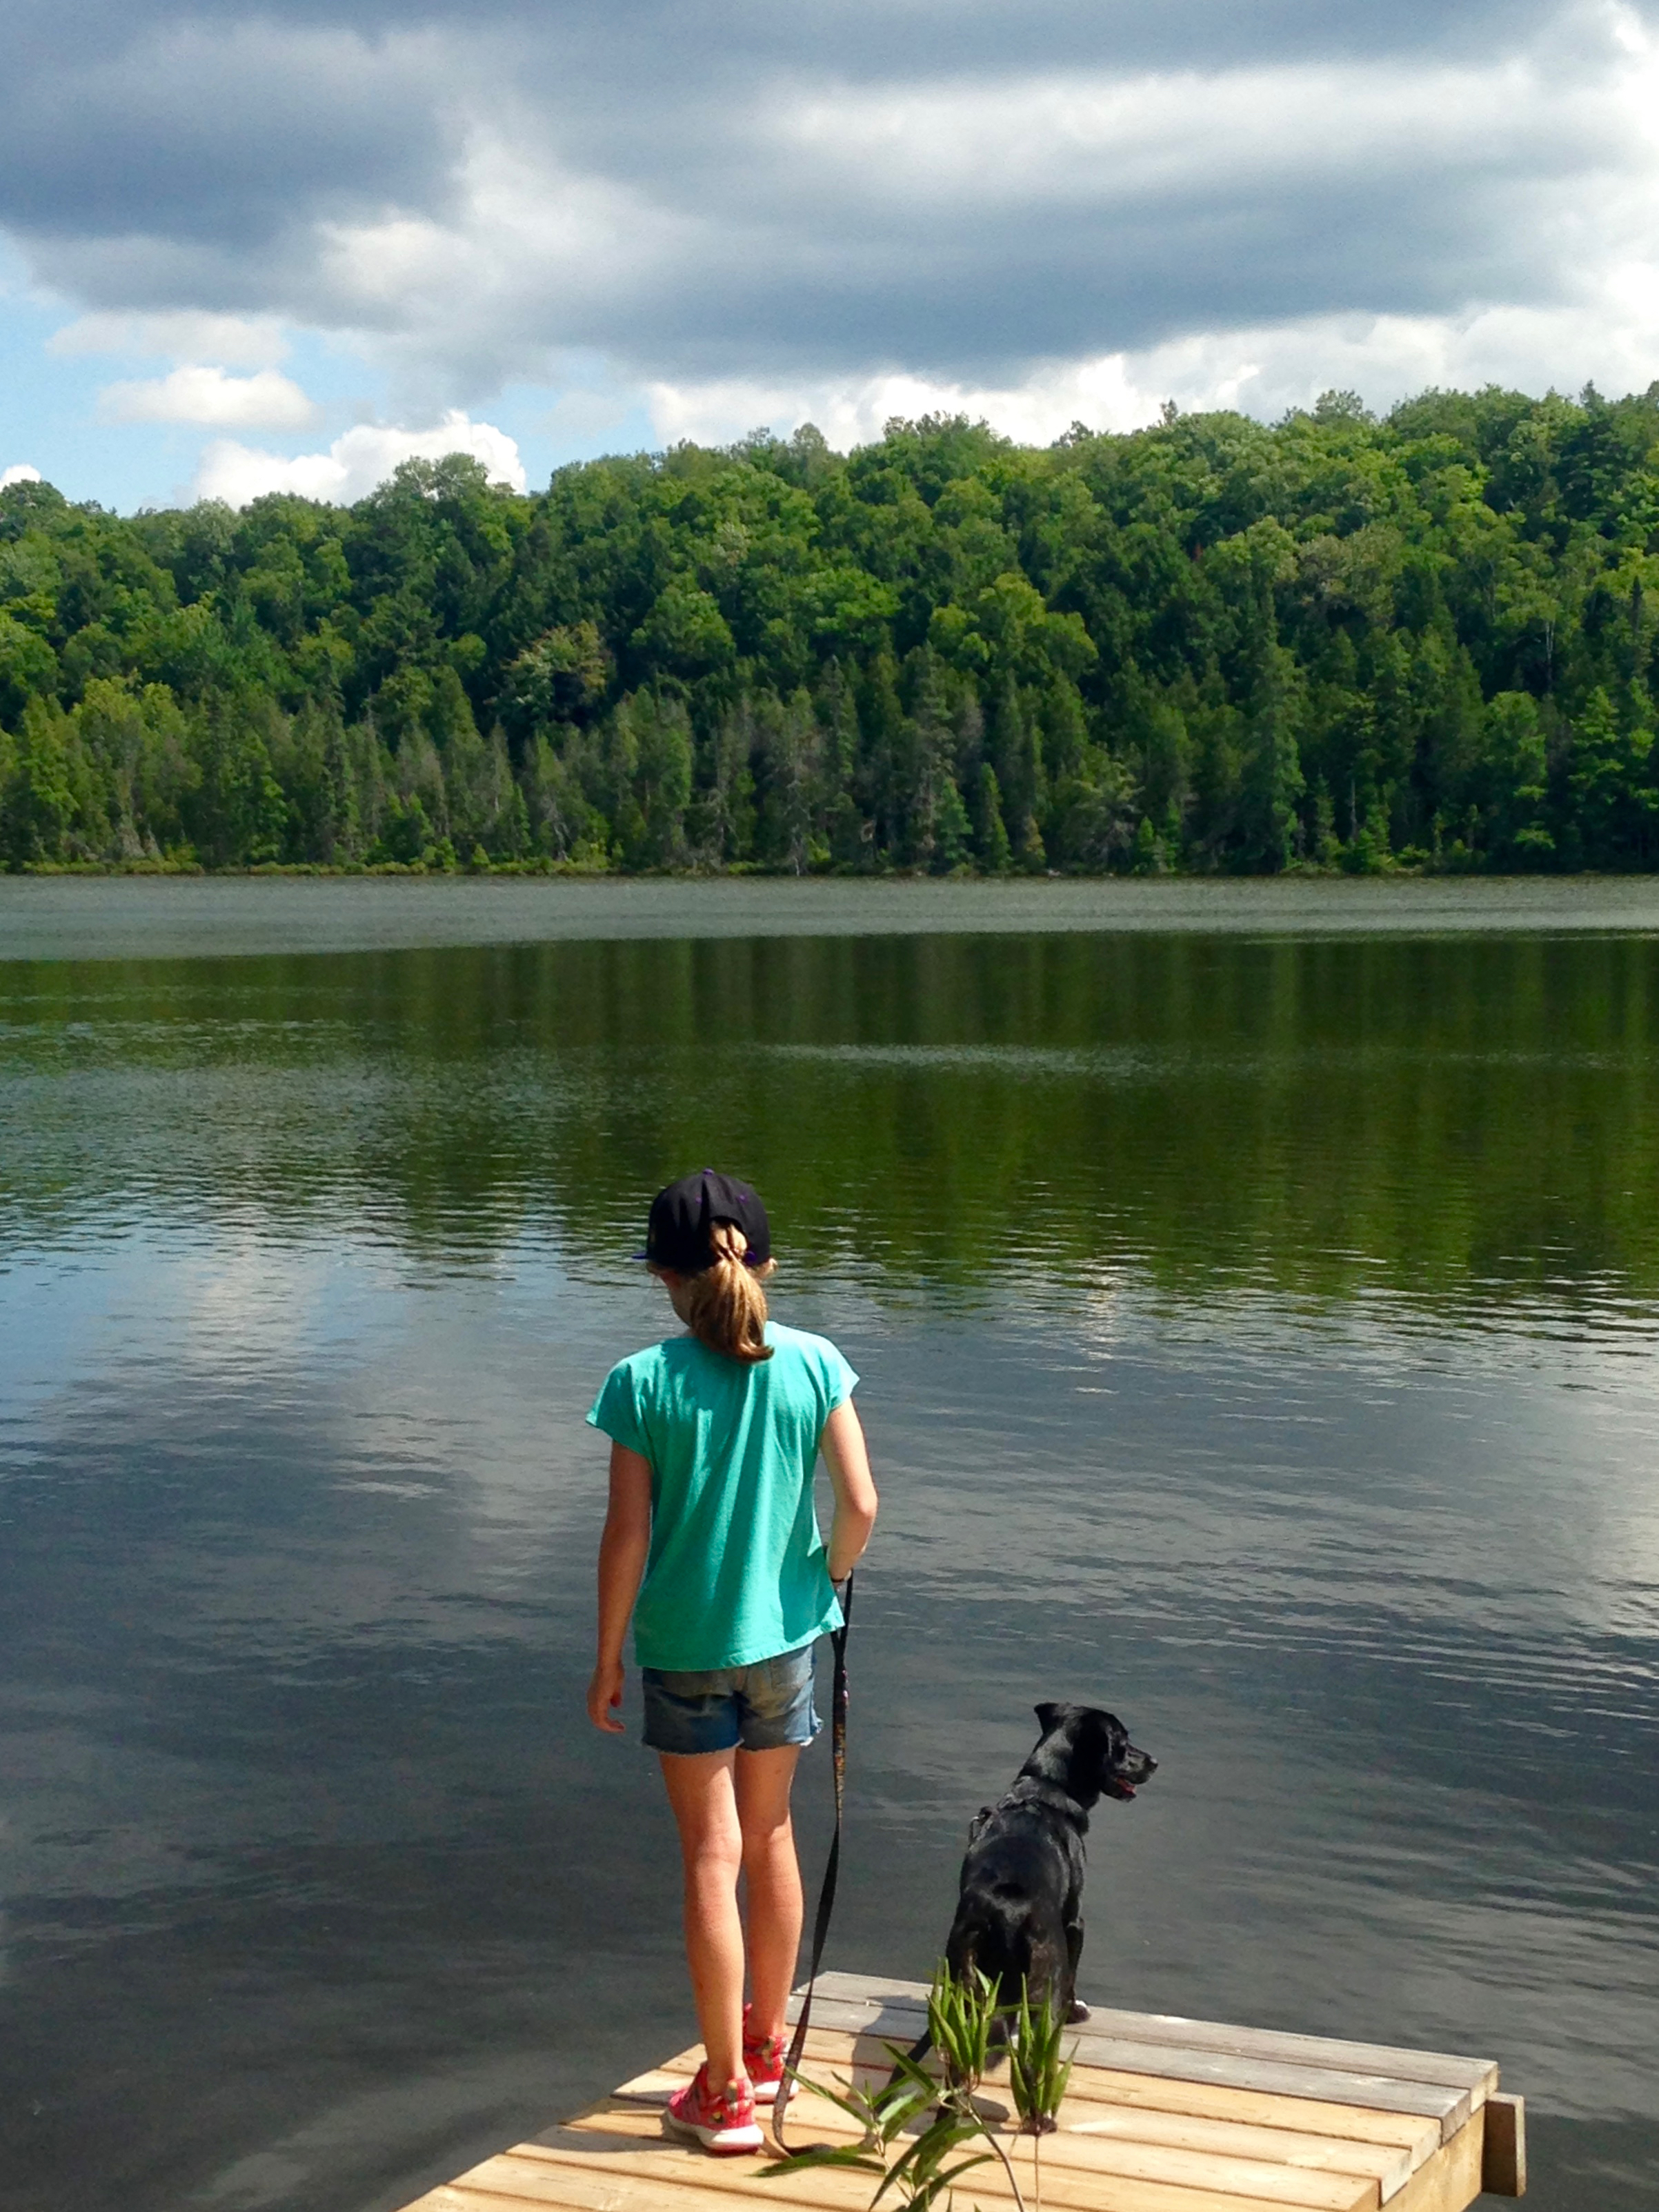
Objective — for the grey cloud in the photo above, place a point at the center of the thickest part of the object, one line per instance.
(879, 37)
(206, 160)
(1090, 284)
(220, 134)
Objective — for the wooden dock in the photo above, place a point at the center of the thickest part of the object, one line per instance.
(1163, 2115)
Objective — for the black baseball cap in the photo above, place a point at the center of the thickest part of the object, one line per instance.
(677, 1233)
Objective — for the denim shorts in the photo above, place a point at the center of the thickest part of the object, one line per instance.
(759, 1708)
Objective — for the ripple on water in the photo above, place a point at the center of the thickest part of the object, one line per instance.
(1256, 1336)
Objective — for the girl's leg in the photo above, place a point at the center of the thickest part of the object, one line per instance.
(701, 1791)
(772, 1872)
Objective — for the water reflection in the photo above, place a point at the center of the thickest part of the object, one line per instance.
(1471, 1118)
(1258, 1334)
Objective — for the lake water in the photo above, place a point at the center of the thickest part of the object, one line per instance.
(1257, 1315)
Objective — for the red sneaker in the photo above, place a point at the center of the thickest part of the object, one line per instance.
(763, 2057)
(723, 2122)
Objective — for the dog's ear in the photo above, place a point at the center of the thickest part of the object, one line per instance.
(1046, 1715)
(1113, 1739)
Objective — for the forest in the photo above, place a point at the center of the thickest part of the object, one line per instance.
(1427, 642)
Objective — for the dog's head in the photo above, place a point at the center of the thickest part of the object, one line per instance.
(1088, 1753)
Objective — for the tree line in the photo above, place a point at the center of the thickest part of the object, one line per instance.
(1427, 640)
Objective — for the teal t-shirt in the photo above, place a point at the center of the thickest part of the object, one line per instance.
(737, 1570)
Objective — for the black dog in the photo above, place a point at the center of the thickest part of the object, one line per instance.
(1019, 1917)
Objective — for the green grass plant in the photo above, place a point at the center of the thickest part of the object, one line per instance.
(1037, 2077)
(960, 2134)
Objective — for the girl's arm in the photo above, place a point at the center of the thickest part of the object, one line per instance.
(848, 1462)
(623, 1552)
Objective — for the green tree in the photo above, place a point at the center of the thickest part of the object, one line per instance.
(136, 741)
(991, 846)
(661, 745)
(791, 822)
(883, 769)
(40, 801)
(28, 668)
(1265, 643)
(236, 812)
(1610, 782)
(685, 633)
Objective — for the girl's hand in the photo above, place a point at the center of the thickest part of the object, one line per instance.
(604, 1694)
(623, 1549)
(848, 1462)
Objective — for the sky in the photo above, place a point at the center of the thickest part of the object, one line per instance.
(246, 249)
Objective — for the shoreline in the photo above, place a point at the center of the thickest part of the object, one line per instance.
(152, 916)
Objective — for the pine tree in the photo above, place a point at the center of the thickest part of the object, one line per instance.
(789, 750)
(952, 830)
(990, 833)
(238, 813)
(1606, 770)
(885, 746)
(341, 839)
(935, 820)
(40, 798)
(846, 829)
(1007, 749)
(663, 778)
(1064, 728)
(1273, 768)
(720, 819)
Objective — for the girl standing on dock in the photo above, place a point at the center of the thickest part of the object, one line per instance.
(711, 1543)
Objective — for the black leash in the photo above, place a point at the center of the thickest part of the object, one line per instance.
(831, 1868)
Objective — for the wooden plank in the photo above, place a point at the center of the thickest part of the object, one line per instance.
(1388, 2167)
(1416, 2137)
(1388, 2164)
(1503, 2155)
(625, 2157)
(864, 2059)
(623, 2173)
(1477, 2076)
(595, 2185)
(1076, 2168)
(1071, 2161)
(1076, 2157)
(1163, 2115)
(1266, 2043)
(1329, 2085)
(1450, 2180)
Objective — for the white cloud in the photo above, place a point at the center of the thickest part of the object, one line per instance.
(181, 335)
(851, 411)
(841, 211)
(364, 456)
(959, 230)
(19, 472)
(194, 393)
(1611, 338)
(1104, 140)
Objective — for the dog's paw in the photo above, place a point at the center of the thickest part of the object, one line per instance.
(1079, 2013)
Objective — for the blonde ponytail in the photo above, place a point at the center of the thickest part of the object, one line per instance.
(725, 1303)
